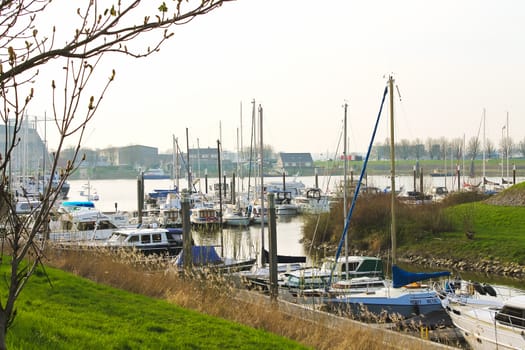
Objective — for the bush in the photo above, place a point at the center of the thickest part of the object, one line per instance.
(371, 220)
(456, 198)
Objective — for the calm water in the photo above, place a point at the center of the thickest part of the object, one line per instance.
(237, 242)
(123, 193)
(246, 242)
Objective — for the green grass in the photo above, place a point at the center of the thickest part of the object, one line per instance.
(499, 234)
(434, 230)
(75, 313)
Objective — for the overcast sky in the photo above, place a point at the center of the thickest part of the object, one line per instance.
(301, 60)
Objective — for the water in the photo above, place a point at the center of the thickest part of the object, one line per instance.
(123, 193)
(238, 242)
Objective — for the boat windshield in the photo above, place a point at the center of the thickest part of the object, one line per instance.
(511, 316)
(118, 237)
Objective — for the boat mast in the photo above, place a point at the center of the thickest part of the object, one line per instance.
(345, 188)
(188, 160)
(199, 163)
(484, 146)
(392, 170)
(240, 165)
(262, 180)
(463, 157)
(507, 146)
(252, 144)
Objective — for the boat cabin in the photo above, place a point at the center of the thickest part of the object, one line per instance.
(358, 266)
(513, 313)
(26, 206)
(148, 240)
(204, 216)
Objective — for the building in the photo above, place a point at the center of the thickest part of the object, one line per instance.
(136, 156)
(30, 155)
(293, 163)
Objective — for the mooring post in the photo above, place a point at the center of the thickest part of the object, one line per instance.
(415, 177)
(186, 231)
(459, 178)
(421, 180)
(274, 287)
(140, 196)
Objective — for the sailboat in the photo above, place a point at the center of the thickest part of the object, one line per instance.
(259, 276)
(351, 273)
(403, 296)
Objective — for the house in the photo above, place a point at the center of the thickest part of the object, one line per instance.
(293, 163)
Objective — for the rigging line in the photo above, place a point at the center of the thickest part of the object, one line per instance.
(341, 133)
(252, 145)
(327, 188)
(358, 186)
(404, 118)
(477, 137)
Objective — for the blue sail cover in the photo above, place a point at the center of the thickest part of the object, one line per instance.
(401, 277)
(202, 255)
(84, 204)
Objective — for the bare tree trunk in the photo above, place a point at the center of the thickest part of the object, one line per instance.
(95, 33)
(3, 328)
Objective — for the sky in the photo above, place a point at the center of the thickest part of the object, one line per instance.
(302, 60)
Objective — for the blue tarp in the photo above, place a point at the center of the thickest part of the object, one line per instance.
(401, 277)
(176, 230)
(86, 204)
(162, 193)
(202, 255)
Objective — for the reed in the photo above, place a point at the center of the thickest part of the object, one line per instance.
(213, 294)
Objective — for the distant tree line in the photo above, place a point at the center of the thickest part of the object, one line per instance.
(443, 148)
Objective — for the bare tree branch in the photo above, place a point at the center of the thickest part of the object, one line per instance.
(24, 48)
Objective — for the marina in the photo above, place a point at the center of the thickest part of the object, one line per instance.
(243, 243)
(121, 196)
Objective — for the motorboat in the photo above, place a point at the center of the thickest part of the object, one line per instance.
(489, 326)
(80, 220)
(313, 280)
(284, 204)
(204, 215)
(313, 201)
(26, 205)
(155, 174)
(235, 217)
(147, 240)
(256, 214)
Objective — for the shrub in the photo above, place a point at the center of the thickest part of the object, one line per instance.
(371, 220)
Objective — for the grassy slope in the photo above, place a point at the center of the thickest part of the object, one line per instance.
(75, 313)
(499, 232)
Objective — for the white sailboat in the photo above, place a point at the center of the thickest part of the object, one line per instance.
(340, 274)
(404, 295)
(89, 192)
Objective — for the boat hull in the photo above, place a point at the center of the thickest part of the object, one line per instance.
(478, 329)
(378, 304)
(156, 177)
(237, 221)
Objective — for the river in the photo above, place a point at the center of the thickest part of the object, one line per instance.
(245, 242)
